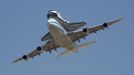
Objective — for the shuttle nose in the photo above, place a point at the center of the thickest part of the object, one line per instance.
(51, 14)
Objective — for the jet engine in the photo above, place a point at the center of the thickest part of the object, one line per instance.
(39, 48)
(85, 30)
(105, 25)
(25, 57)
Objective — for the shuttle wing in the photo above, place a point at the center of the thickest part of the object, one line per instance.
(69, 27)
(48, 47)
(74, 26)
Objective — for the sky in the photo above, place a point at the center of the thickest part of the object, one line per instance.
(24, 22)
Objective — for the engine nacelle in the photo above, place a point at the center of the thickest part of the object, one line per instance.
(25, 57)
(85, 30)
(105, 25)
(39, 48)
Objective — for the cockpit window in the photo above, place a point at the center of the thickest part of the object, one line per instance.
(51, 14)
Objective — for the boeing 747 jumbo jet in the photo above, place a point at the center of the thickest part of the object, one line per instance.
(64, 34)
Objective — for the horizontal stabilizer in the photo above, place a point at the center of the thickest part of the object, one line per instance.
(84, 45)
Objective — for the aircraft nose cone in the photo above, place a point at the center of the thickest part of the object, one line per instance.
(52, 14)
(53, 27)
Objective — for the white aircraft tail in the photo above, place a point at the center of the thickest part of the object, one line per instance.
(66, 52)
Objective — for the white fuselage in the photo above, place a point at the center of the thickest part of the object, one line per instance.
(60, 35)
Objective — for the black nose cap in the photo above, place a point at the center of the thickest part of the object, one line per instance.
(51, 14)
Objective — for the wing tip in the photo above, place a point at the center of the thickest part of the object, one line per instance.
(120, 18)
(14, 61)
(17, 60)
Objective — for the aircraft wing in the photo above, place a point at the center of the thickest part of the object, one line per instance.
(76, 35)
(104, 25)
(48, 47)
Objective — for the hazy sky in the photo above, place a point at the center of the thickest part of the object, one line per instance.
(24, 22)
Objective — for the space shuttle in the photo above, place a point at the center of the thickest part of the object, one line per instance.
(54, 15)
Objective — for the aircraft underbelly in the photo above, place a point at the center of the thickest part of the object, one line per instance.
(61, 37)
(63, 40)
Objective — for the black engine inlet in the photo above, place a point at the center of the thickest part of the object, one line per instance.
(105, 25)
(24, 57)
(85, 30)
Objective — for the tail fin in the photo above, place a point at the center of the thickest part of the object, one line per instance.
(66, 52)
(84, 45)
